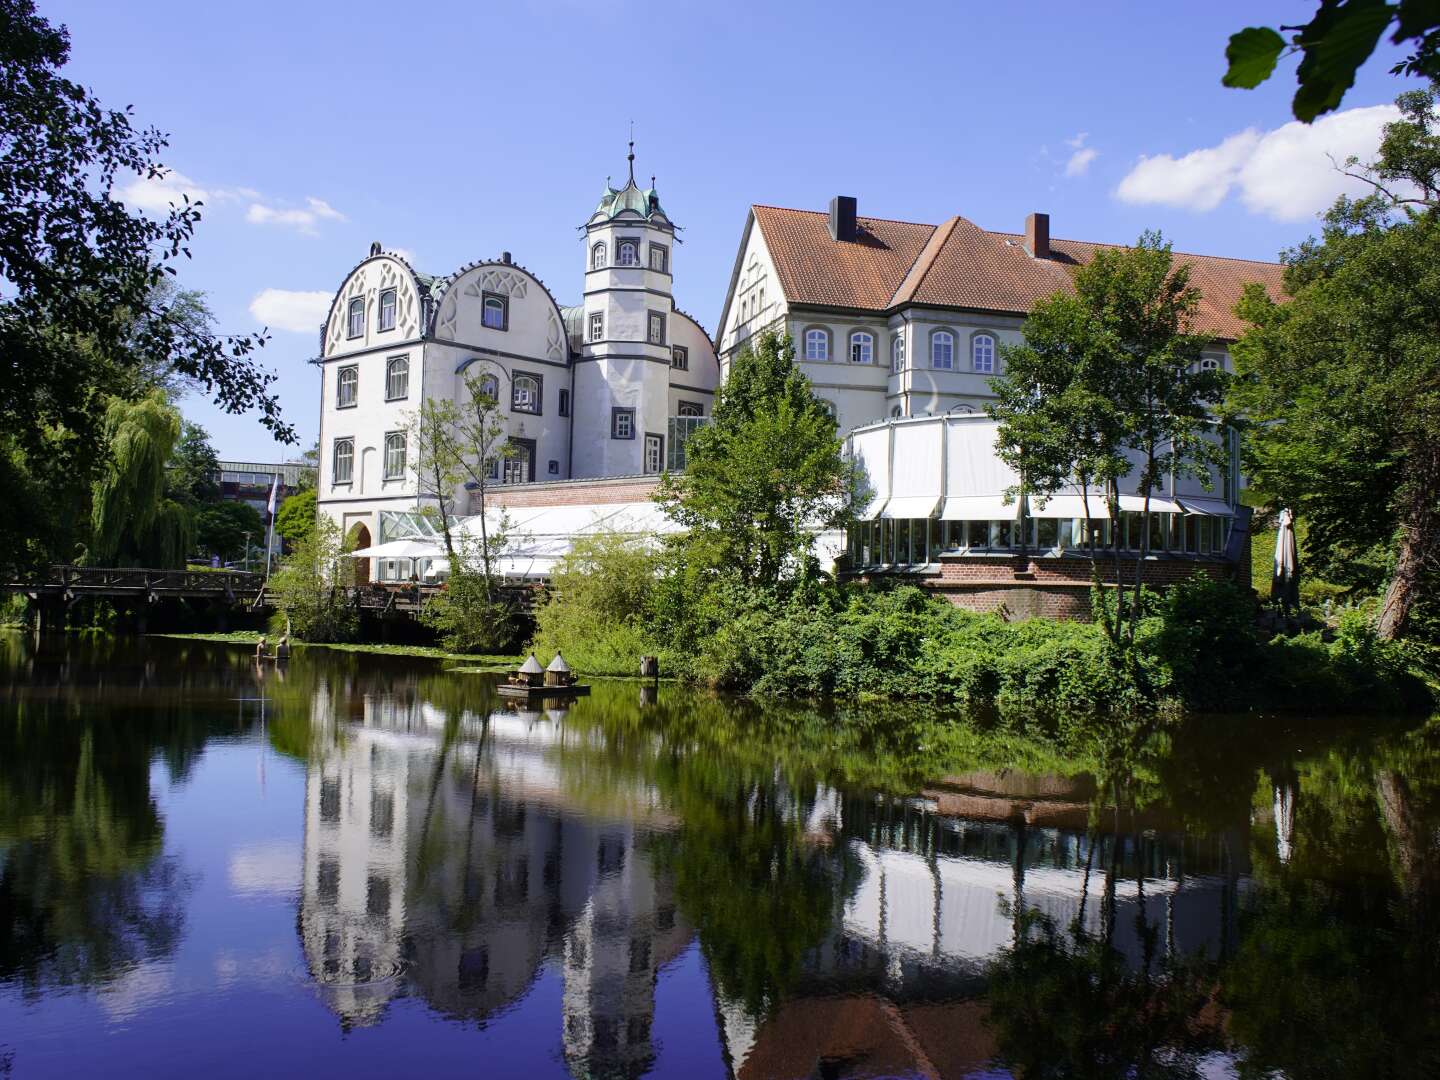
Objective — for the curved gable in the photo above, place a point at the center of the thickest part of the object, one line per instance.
(534, 317)
(373, 275)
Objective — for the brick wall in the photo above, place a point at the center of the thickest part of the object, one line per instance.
(1049, 586)
(611, 489)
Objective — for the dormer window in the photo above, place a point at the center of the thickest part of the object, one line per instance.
(496, 314)
(387, 310)
(597, 256)
(627, 253)
(356, 326)
(660, 258)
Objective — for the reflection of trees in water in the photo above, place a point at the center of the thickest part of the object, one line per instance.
(84, 889)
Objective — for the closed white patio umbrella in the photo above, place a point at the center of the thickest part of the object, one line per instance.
(398, 549)
(1285, 582)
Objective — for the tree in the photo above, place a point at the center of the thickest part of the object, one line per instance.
(1332, 46)
(1340, 381)
(133, 521)
(1108, 380)
(193, 468)
(306, 588)
(764, 478)
(481, 447)
(221, 528)
(85, 310)
(295, 520)
(439, 462)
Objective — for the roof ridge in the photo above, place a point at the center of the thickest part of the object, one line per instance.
(925, 260)
(858, 217)
(1108, 244)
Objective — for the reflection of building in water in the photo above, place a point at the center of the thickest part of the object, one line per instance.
(942, 878)
(452, 847)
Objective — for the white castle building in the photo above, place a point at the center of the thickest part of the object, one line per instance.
(587, 391)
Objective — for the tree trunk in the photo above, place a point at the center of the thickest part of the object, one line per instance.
(1419, 539)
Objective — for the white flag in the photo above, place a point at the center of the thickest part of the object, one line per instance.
(274, 490)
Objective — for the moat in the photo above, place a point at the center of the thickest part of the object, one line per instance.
(360, 865)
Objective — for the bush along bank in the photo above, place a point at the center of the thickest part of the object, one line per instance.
(1196, 648)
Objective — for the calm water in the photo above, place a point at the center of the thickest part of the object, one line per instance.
(368, 866)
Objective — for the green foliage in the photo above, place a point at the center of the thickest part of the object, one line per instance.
(1339, 384)
(306, 589)
(132, 521)
(221, 528)
(468, 615)
(1332, 45)
(295, 519)
(83, 315)
(763, 477)
(193, 467)
(595, 610)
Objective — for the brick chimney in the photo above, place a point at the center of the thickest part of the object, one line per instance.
(842, 217)
(1037, 235)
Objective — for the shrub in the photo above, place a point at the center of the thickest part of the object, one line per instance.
(467, 618)
(305, 590)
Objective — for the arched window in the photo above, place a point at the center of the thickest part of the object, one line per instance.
(896, 412)
(597, 256)
(862, 347)
(397, 378)
(525, 393)
(982, 353)
(347, 383)
(496, 312)
(490, 387)
(942, 350)
(627, 253)
(897, 353)
(357, 318)
(395, 455)
(343, 461)
(817, 344)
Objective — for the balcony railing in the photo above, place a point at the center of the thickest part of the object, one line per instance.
(681, 428)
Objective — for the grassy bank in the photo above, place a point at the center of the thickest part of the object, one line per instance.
(429, 652)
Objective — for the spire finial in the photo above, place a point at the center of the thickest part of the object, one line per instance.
(632, 153)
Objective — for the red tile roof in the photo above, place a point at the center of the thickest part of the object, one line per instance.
(958, 264)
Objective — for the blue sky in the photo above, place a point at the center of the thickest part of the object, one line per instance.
(454, 131)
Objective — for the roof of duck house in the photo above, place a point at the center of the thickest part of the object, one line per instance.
(558, 664)
(531, 666)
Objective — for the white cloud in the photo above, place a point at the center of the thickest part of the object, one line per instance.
(1079, 163)
(157, 193)
(302, 218)
(1076, 141)
(286, 309)
(271, 867)
(1287, 174)
(404, 253)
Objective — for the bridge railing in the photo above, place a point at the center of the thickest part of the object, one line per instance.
(130, 577)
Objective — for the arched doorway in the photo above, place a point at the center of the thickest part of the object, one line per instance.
(359, 537)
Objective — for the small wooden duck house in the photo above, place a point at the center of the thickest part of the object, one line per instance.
(559, 673)
(529, 674)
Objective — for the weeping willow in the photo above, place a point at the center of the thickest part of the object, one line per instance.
(132, 522)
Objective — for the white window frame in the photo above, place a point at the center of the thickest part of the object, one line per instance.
(982, 353)
(397, 369)
(490, 387)
(657, 444)
(1210, 363)
(336, 457)
(353, 382)
(627, 246)
(862, 347)
(393, 298)
(897, 354)
(664, 253)
(942, 350)
(619, 430)
(690, 408)
(652, 320)
(598, 255)
(815, 335)
(394, 439)
(680, 358)
(597, 326)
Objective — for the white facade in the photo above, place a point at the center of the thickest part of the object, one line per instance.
(585, 391)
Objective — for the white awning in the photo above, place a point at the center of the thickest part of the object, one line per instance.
(1069, 506)
(1208, 507)
(910, 506)
(1158, 504)
(979, 508)
(398, 549)
(872, 511)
